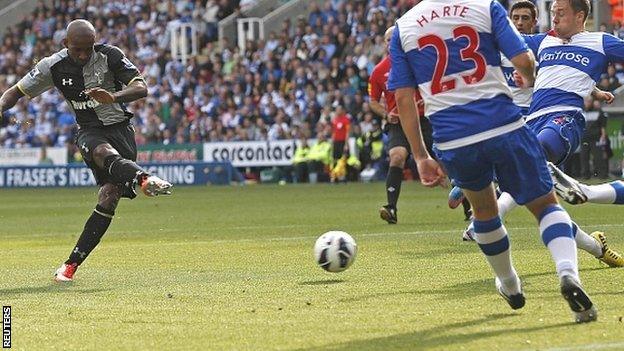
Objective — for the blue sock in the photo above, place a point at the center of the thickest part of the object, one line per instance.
(619, 192)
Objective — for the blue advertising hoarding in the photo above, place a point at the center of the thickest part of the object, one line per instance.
(196, 173)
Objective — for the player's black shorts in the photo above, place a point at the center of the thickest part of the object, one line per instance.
(120, 136)
(338, 149)
(396, 136)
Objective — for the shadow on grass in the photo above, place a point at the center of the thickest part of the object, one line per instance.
(469, 289)
(322, 282)
(437, 253)
(50, 288)
(433, 337)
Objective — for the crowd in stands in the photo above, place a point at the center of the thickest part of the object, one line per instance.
(288, 86)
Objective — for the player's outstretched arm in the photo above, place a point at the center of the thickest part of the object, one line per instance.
(136, 90)
(9, 99)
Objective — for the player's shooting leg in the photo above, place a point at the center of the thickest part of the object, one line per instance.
(122, 170)
(555, 147)
(97, 224)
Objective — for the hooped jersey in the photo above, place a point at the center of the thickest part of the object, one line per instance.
(569, 69)
(451, 52)
(108, 68)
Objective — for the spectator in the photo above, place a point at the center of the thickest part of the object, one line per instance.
(300, 161)
(320, 159)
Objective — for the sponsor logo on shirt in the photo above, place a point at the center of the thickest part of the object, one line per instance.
(565, 56)
(84, 105)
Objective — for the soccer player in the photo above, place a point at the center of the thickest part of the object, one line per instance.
(523, 15)
(451, 53)
(397, 143)
(571, 61)
(90, 77)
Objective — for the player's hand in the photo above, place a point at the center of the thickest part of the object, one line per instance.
(393, 118)
(519, 80)
(100, 95)
(604, 96)
(430, 172)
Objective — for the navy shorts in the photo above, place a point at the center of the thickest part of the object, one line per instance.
(559, 133)
(515, 157)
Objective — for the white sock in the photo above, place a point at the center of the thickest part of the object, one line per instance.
(506, 203)
(493, 240)
(607, 193)
(586, 242)
(556, 228)
(599, 194)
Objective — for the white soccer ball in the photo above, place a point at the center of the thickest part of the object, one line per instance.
(335, 251)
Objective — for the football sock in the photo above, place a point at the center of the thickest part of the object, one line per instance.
(609, 193)
(466, 207)
(505, 203)
(93, 231)
(556, 228)
(123, 170)
(586, 242)
(493, 240)
(393, 185)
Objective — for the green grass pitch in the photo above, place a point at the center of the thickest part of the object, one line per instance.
(231, 268)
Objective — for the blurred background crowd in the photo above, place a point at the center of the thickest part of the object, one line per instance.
(290, 86)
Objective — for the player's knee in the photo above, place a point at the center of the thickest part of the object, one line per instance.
(101, 152)
(398, 156)
(552, 144)
(108, 196)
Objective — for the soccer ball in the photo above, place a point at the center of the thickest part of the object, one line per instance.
(335, 251)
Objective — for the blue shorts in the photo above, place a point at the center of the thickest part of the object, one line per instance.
(559, 133)
(515, 157)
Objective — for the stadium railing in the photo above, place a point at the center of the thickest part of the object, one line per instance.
(12, 12)
(228, 25)
(273, 21)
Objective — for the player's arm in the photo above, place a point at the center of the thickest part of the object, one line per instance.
(125, 72)
(374, 91)
(378, 108)
(38, 80)
(525, 69)
(403, 81)
(602, 95)
(9, 98)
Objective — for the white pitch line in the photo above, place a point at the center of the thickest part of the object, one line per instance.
(597, 346)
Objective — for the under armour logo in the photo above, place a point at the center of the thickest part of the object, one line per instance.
(68, 81)
(391, 189)
(84, 147)
(82, 254)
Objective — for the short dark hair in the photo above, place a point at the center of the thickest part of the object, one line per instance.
(581, 5)
(525, 4)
